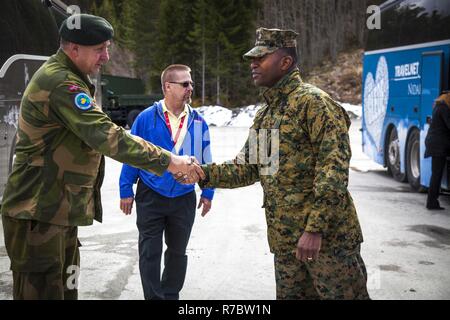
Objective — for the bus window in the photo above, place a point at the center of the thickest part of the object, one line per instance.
(410, 22)
(406, 66)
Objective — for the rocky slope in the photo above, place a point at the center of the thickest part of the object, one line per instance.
(341, 79)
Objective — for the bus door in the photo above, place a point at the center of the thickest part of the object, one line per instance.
(431, 88)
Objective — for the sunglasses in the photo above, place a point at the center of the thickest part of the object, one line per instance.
(184, 84)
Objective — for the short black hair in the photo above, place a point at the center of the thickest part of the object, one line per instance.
(292, 52)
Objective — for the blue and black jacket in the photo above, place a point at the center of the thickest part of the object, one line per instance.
(150, 125)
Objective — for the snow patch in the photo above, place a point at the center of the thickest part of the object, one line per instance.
(243, 117)
(354, 111)
(215, 115)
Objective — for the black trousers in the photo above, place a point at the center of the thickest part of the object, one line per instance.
(174, 217)
(437, 169)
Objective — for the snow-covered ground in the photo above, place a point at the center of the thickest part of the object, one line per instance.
(243, 117)
(354, 111)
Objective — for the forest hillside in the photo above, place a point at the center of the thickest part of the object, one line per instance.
(208, 35)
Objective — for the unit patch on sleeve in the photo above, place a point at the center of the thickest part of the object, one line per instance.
(83, 101)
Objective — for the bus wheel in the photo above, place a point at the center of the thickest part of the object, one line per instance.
(413, 161)
(393, 157)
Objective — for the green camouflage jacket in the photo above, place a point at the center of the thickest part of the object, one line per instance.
(305, 182)
(61, 139)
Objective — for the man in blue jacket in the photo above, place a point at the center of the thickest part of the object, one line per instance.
(163, 204)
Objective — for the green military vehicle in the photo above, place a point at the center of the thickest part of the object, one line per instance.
(15, 73)
(124, 98)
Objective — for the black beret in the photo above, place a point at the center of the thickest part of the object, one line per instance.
(86, 29)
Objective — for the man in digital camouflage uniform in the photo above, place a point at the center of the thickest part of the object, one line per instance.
(313, 229)
(55, 183)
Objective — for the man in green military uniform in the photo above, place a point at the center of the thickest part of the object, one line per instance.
(55, 183)
(313, 229)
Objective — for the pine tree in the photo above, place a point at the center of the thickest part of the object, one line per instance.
(144, 41)
(107, 11)
(198, 38)
(127, 23)
(171, 44)
(221, 33)
(175, 22)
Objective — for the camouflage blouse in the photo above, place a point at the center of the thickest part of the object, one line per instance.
(299, 149)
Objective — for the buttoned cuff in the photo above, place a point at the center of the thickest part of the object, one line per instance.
(204, 184)
(317, 222)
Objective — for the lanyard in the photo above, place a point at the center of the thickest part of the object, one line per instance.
(166, 115)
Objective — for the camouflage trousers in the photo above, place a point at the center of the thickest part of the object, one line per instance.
(331, 276)
(44, 258)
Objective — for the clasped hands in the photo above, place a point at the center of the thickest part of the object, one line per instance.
(185, 169)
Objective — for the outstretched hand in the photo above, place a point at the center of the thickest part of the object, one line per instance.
(206, 203)
(186, 170)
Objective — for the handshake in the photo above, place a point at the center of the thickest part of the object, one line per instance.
(185, 169)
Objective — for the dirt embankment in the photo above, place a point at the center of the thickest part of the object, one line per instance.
(120, 63)
(341, 79)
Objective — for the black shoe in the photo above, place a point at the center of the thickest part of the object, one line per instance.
(434, 205)
(435, 208)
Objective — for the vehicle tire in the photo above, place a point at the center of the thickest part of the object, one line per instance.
(413, 161)
(132, 116)
(393, 157)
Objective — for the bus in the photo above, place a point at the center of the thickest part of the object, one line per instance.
(405, 68)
